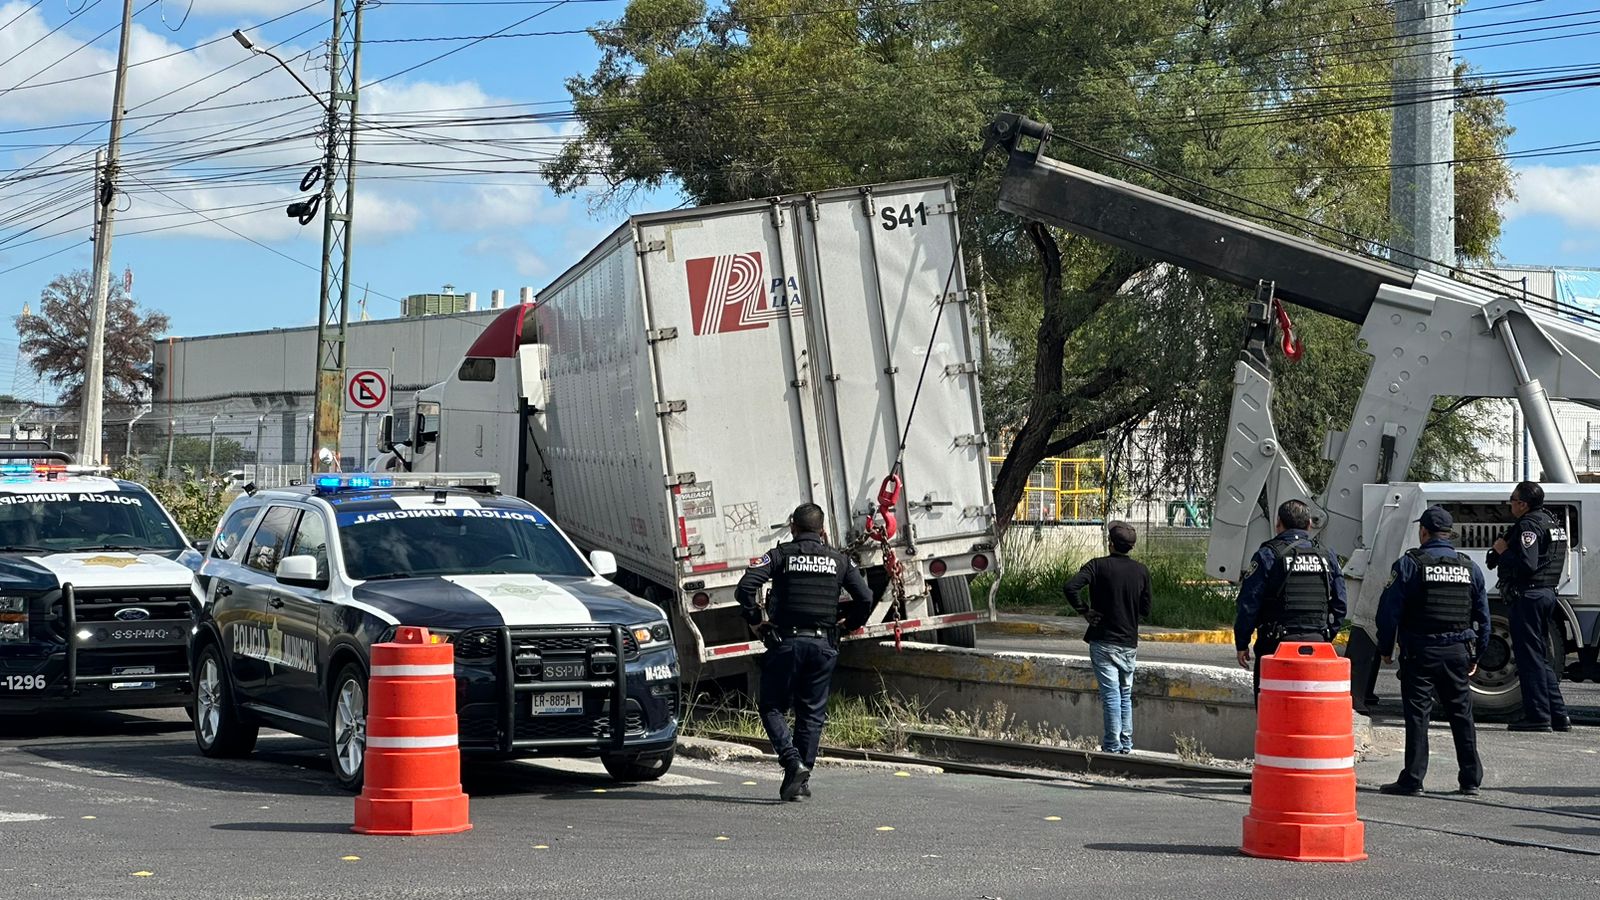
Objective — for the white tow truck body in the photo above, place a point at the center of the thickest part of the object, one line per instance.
(674, 395)
(1428, 337)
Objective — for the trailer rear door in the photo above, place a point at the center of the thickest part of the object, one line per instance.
(886, 265)
(733, 367)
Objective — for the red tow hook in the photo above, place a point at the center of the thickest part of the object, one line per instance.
(1292, 346)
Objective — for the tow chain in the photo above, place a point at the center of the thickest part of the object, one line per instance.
(881, 527)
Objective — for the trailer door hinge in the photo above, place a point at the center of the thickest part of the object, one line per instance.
(667, 407)
(691, 550)
(657, 335)
(644, 247)
(971, 440)
(966, 368)
(948, 208)
(681, 478)
(813, 212)
(775, 206)
(965, 296)
(869, 203)
(976, 512)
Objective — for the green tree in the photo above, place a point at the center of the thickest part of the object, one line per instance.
(55, 341)
(1273, 109)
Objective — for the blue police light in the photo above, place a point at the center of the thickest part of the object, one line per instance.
(326, 484)
(16, 469)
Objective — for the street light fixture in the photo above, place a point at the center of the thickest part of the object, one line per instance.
(245, 42)
(338, 224)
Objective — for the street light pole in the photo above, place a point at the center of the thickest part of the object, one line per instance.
(338, 209)
(94, 368)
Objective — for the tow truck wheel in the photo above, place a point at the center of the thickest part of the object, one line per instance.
(953, 594)
(347, 726)
(635, 767)
(1496, 689)
(217, 729)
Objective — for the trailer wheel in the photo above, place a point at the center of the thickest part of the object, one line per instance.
(953, 594)
(1497, 689)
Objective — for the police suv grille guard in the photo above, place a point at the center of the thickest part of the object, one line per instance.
(510, 687)
(69, 609)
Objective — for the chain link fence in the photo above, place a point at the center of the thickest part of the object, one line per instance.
(266, 436)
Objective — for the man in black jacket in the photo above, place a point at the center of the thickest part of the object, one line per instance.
(801, 630)
(1119, 596)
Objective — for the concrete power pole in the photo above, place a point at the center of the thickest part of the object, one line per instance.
(94, 369)
(338, 220)
(1422, 180)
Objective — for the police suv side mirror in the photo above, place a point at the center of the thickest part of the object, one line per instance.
(300, 571)
(603, 562)
(203, 545)
(386, 433)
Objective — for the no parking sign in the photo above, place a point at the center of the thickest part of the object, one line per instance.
(366, 390)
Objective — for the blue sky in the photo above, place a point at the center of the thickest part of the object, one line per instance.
(504, 231)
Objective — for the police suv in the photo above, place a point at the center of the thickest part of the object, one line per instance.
(96, 590)
(550, 657)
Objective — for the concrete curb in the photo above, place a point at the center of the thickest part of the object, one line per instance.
(1177, 636)
(733, 747)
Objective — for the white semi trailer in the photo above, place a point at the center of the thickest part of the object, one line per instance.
(701, 372)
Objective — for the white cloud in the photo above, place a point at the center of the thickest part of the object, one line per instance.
(1566, 192)
(517, 251)
(263, 141)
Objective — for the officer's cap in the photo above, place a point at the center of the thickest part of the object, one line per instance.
(1436, 520)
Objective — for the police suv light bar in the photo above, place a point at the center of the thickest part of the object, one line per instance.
(331, 483)
(26, 471)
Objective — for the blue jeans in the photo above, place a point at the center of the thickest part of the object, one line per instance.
(1113, 671)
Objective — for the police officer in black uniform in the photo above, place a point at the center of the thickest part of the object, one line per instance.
(1293, 592)
(1437, 603)
(1530, 557)
(801, 630)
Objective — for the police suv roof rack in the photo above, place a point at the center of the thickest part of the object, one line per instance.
(57, 455)
(484, 482)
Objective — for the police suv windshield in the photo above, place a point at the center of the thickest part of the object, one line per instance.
(404, 543)
(69, 521)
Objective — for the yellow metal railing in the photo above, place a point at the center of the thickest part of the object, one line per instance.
(1062, 489)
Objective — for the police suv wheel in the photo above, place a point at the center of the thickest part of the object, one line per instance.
(347, 727)
(636, 767)
(217, 729)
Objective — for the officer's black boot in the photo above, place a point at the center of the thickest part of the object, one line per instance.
(795, 776)
(1561, 722)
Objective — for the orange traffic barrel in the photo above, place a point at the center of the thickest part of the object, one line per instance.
(1303, 788)
(413, 775)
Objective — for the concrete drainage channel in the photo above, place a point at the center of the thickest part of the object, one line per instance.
(1206, 709)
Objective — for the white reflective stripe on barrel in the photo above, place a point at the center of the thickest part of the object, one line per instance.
(1283, 762)
(411, 743)
(412, 671)
(1305, 687)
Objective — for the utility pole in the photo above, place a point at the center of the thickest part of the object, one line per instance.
(1422, 179)
(94, 370)
(338, 215)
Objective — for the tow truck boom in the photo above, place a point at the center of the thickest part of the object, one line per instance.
(1428, 336)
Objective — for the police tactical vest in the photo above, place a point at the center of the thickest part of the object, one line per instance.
(1302, 602)
(807, 576)
(1444, 604)
(1552, 549)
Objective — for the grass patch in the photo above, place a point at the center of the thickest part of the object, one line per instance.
(865, 723)
(1182, 594)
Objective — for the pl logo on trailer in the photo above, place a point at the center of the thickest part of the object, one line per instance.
(730, 293)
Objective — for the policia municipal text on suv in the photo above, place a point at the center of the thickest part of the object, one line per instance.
(1436, 602)
(801, 630)
(1293, 591)
(1530, 557)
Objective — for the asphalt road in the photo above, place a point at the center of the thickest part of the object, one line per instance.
(122, 807)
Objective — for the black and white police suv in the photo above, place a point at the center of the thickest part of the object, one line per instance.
(96, 590)
(551, 658)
